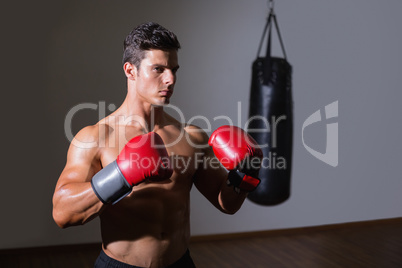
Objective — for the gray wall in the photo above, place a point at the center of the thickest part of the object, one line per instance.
(58, 54)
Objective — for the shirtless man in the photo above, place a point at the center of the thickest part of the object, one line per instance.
(124, 169)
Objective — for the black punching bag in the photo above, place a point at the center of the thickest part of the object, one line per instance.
(271, 121)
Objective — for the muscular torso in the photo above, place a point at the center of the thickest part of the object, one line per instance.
(150, 227)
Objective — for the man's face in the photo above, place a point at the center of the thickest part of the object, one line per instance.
(156, 76)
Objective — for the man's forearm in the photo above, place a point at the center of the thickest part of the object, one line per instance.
(75, 204)
(230, 200)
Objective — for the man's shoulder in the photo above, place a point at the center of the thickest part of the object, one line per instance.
(193, 128)
(90, 136)
(196, 133)
(87, 137)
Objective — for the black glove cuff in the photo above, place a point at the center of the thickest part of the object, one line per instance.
(242, 181)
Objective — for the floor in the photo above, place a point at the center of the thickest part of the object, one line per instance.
(357, 245)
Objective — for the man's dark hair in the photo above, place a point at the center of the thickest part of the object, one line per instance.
(145, 37)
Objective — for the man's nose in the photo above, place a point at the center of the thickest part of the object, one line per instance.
(169, 77)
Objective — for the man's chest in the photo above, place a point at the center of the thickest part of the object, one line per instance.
(184, 156)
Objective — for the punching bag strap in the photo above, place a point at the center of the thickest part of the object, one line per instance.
(267, 25)
(268, 28)
(265, 75)
(279, 36)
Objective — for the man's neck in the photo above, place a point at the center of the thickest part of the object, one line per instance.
(135, 112)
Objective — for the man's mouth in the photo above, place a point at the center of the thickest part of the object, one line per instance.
(166, 92)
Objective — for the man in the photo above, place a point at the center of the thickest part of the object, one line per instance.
(128, 168)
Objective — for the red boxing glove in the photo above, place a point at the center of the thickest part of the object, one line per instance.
(239, 153)
(143, 158)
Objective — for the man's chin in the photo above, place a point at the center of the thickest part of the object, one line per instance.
(161, 103)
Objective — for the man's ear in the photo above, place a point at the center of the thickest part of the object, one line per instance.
(130, 71)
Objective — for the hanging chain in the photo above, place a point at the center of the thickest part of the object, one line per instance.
(271, 6)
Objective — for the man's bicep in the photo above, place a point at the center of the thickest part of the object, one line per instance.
(79, 168)
(82, 163)
(74, 201)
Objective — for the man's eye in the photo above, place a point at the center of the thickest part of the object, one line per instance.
(158, 69)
